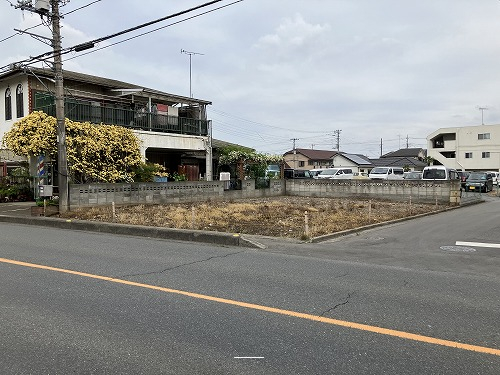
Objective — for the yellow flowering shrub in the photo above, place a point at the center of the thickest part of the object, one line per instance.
(95, 153)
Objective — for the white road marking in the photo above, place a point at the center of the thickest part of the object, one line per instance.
(248, 357)
(478, 244)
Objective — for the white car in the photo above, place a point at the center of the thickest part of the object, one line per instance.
(494, 177)
(335, 173)
(386, 173)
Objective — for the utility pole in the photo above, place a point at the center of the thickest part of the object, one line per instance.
(381, 152)
(294, 152)
(407, 141)
(337, 138)
(62, 162)
(42, 7)
(190, 56)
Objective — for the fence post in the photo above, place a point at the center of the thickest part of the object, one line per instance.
(193, 217)
(370, 211)
(113, 211)
(410, 204)
(306, 223)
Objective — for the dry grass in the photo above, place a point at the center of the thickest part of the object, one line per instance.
(278, 217)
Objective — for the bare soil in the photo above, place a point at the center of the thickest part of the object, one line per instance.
(277, 217)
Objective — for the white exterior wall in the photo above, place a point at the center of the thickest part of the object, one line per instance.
(5, 125)
(466, 141)
(340, 161)
(170, 141)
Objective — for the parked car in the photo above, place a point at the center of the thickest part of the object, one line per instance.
(463, 177)
(440, 173)
(273, 171)
(479, 181)
(494, 177)
(335, 173)
(360, 176)
(386, 173)
(297, 173)
(317, 171)
(413, 175)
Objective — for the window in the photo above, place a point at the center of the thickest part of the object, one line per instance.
(310, 162)
(19, 101)
(302, 163)
(468, 155)
(485, 155)
(8, 105)
(483, 136)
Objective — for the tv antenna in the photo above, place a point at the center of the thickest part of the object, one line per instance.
(482, 109)
(190, 56)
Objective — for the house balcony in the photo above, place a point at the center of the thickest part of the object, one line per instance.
(116, 114)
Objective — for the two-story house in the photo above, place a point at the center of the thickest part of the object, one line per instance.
(174, 129)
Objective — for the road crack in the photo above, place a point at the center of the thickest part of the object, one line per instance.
(180, 265)
(345, 302)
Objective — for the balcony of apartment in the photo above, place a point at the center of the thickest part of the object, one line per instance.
(119, 114)
(444, 143)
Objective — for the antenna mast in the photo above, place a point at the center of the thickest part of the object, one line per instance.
(190, 56)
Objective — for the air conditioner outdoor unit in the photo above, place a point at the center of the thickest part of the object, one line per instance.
(42, 5)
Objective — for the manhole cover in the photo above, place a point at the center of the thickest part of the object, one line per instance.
(458, 249)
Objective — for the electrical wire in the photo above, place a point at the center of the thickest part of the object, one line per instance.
(151, 31)
(41, 24)
(48, 55)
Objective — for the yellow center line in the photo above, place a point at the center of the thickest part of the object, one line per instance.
(337, 322)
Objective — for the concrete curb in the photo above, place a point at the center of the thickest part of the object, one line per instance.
(327, 237)
(218, 238)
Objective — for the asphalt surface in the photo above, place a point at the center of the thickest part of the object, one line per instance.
(397, 277)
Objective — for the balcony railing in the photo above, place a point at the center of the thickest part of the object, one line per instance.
(128, 118)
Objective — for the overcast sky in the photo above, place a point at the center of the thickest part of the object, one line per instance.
(277, 70)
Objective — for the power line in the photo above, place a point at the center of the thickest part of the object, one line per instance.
(41, 24)
(90, 44)
(222, 113)
(80, 8)
(150, 31)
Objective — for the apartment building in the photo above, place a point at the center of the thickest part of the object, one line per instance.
(466, 148)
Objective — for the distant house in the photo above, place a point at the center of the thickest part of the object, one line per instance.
(358, 163)
(410, 163)
(415, 153)
(304, 158)
(314, 159)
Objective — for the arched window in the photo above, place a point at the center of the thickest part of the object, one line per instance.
(8, 105)
(19, 101)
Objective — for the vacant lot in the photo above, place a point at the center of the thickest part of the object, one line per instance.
(278, 217)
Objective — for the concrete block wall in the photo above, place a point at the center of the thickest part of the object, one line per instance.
(144, 193)
(444, 192)
(87, 195)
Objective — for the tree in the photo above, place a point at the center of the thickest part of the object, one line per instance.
(429, 160)
(96, 153)
(252, 163)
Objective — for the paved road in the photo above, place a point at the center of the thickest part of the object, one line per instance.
(262, 304)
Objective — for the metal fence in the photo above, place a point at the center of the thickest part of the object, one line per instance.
(128, 118)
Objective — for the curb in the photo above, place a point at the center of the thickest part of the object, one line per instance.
(218, 238)
(346, 232)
